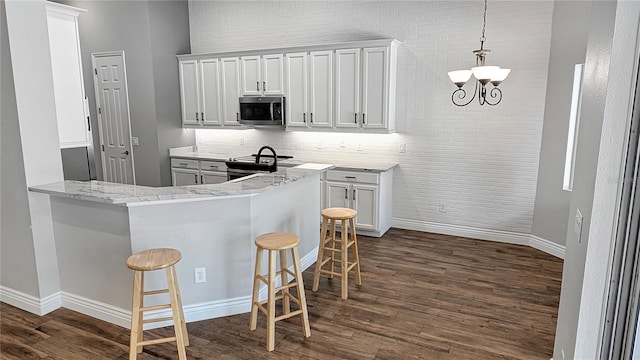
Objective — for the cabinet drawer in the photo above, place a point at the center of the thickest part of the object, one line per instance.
(353, 176)
(213, 166)
(184, 163)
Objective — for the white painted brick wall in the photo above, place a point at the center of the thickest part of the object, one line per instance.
(482, 162)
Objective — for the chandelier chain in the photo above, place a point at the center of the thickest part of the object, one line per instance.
(484, 26)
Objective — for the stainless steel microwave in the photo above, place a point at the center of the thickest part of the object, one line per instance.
(262, 110)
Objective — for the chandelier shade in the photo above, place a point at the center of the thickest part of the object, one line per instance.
(484, 74)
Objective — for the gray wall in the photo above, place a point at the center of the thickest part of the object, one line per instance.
(593, 102)
(169, 28)
(150, 46)
(17, 254)
(570, 31)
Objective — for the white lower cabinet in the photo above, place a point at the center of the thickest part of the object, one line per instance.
(195, 172)
(366, 192)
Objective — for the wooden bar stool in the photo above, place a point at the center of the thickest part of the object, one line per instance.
(278, 243)
(149, 260)
(328, 244)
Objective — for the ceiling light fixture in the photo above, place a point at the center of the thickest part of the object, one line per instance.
(484, 75)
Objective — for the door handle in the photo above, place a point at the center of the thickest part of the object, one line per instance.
(304, 118)
(355, 118)
(264, 86)
(126, 152)
(237, 116)
(196, 176)
(312, 118)
(346, 194)
(201, 179)
(197, 117)
(363, 121)
(202, 116)
(354, 194)
(258, 85)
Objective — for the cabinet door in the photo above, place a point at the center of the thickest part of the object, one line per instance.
(295, 89)
(184, 177)
(272, 74)
(211, 177)
(337, 194)
(320, 88)
(210, 92)
(251, 79)
(365, 201)
(68, 84)
(374, 88)
(347, 87)
(230, 76)
(189, 92)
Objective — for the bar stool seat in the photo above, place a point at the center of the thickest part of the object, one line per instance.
(278, 243)
(150, 260)
(328, 244)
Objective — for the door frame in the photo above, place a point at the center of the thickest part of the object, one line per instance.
(95, 55)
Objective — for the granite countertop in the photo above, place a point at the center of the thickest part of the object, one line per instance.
(124, 194)
(356, 165)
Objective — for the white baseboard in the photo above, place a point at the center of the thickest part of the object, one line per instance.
(97, 309)
(30, 303)
(483, 234)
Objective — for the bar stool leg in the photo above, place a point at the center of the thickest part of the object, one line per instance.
(177, 321)
(286, 306)
(356, 257)
(306, 330)
(141, 318)
(256, 291)
(344, 256)
(333, 246)
(136, 322)
(271, 302)
(183, 322)
(323, 238)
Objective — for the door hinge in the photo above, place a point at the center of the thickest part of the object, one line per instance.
(102, 147)
(96, 71)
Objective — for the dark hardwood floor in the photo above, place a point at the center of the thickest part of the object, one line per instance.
(423, 296)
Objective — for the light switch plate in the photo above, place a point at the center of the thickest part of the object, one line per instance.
(577, 226)
(135, 141)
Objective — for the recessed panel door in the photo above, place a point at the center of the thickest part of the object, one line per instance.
(320, 89)
(374, 88)
(210, 109)
(189, 92)
(181, 177)
(113, 117)
(230, 76)
(272, 74)
(295, 89)
(337, 194)
(251, 80)
(348, 88)
(365, 202)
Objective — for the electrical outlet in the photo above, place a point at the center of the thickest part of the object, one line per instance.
(200, 275)
(442, 207)
(135, 141)
(403, 148)
(577, 225)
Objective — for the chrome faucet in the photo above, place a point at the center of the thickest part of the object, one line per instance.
(273, 167)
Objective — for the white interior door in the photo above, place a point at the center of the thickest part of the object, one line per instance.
(112, 98)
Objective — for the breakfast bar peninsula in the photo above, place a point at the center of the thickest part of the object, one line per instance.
(97, 225)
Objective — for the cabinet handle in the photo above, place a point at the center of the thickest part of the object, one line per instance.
(264, 86)
(346, 193)
(202, 179)
(354, 194)
(197, 116)
(355, 118)
(350, 177)
(237, 116)
(183, 164)
(312, 118)
(364, 122)
(258, 85)
(202, 116)
(304, 118)
(88, 124)
(214, 166)
(196, 176)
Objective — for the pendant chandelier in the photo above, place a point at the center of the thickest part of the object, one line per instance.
(484, 75)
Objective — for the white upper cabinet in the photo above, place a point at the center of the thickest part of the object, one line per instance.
(348, 87)
(262, 75)
(363, 88)
(295, 89)
(230, 75)
(321, 88)
(74, 128)
(200, 92)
